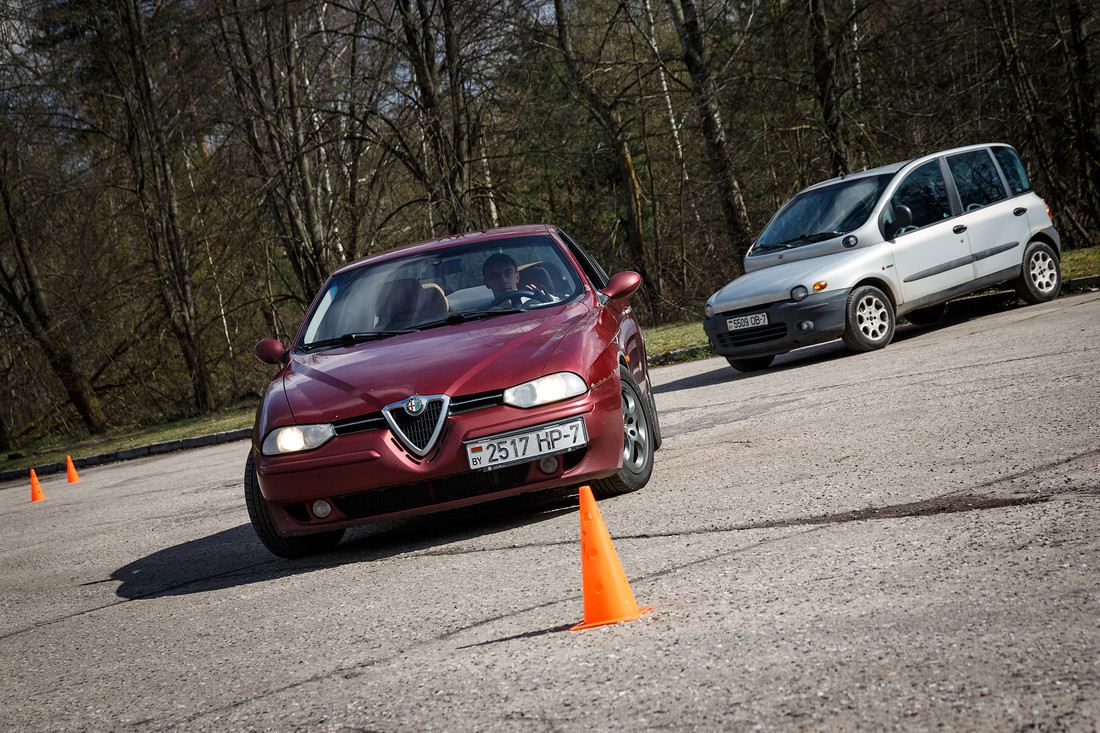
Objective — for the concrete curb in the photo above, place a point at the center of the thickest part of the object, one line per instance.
(128, 454)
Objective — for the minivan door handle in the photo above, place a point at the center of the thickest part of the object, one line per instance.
(1019, 211)
(959, 228)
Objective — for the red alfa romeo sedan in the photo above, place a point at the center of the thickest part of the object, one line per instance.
(447, 373)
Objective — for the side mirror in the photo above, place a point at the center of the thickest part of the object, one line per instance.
(622, 284)
(903, 217)
(269, 351)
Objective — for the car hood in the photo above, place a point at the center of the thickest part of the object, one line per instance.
(459, 359)
(769, 285)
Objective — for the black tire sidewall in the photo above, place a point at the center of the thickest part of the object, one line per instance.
(626, 480)
(1025, 288)
(288, 547)
(853, 336)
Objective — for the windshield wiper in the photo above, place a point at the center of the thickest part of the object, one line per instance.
(453, 318)
(802, 239)
(350, 339)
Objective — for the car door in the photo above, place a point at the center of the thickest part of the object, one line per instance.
(931, 255)
(996, 226)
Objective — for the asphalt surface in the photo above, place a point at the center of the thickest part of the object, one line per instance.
(900, 540)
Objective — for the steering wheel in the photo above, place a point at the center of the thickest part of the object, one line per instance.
(512, 294)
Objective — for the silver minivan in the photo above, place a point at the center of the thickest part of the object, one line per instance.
(846, 257)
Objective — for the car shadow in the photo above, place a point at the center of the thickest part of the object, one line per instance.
(723, 372)
(234, 557)
(957, 311)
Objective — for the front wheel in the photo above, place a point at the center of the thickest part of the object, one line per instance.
(1041, 278)
(638, 444)
(869, 319)
(288, 547)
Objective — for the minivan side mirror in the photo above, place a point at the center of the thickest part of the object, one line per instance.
(903, 217)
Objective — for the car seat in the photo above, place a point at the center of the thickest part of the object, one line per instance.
(433, 303)
(398, 301)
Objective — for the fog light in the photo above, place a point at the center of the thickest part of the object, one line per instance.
(805, 326)
(549, 464)
(321, 509)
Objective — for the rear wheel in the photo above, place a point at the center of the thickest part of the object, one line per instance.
(259, 513)
(750, 364)
(1041, 278)
(638, 444)
(869, 321)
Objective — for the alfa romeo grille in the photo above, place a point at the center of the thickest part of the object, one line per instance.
(417, 421)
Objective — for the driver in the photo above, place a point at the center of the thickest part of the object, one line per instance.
(502, 276)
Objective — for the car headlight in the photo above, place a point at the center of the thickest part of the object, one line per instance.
(709, 310)
(296, 438)
(544, 390)
(799, 292)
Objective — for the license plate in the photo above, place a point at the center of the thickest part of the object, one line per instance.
(526, 445)
(750, 321)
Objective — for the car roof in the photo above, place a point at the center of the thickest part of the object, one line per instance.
(893, 168)
(484, 235)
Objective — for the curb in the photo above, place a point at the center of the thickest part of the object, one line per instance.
(128, 454)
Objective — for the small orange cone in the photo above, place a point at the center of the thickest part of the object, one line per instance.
(607, 595)
(73, 478)
(36, 488)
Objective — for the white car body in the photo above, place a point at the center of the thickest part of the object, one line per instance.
(975, 221)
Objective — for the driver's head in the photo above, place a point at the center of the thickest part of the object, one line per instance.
(500, 273)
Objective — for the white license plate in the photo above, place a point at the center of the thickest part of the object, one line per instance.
(750, 321)
(526, 445)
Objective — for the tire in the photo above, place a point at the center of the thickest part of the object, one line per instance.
(1041, 277)
(654, 421)
(926, 316)
(259, 513)
(638, 444)
(751, 364)
(869, 319)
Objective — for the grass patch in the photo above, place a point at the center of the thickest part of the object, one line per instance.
(1081, 263)
(673, 336)
(54, 448)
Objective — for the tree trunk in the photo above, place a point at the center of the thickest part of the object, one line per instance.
(171, 252)
(827, 95)
(25, 293)
(610, 120)
(686, 19)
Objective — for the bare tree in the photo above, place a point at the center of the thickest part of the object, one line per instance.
(25, 292)
(607, 114)
(828, 94)
(685, 16)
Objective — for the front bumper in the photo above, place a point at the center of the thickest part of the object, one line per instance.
(369, 476)
(824, 311)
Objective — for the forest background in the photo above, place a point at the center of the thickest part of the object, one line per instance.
(178, 177)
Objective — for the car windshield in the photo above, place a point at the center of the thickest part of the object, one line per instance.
(444, 286)
(822, 213)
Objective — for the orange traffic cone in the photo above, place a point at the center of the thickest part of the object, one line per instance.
(607, 595)
(36, 488)
(73, 478)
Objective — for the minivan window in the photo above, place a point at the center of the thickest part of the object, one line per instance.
(976, 179)
(924, 191)
(1013, 169)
